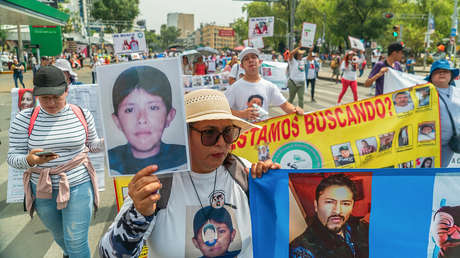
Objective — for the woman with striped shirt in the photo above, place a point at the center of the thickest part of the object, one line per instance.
(51, 142)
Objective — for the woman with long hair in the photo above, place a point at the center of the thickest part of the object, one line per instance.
(349, 67)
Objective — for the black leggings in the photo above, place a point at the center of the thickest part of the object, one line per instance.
(312, 82)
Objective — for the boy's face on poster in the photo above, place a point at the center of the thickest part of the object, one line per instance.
(224, 237)
(345, 153)
(142, 117)
(27, 100)
(334, 207)
(427, 130)
(402, 100)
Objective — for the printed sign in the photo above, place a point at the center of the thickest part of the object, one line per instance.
(261, 27)
(356, 43)
(308, 34)
(131, 42)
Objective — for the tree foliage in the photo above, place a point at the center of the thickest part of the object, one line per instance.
(118, 14)
(168, 35)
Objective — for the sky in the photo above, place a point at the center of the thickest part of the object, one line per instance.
(222, 12)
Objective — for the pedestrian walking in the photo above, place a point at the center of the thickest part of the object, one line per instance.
(59, 183)
(296, 82)
(349, 68)
(18, 70)
(335, 67)
(311, 73)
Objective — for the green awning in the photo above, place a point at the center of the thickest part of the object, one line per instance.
(30, 12)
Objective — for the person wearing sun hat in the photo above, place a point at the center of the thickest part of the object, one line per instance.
(442, 76)
(161, 211)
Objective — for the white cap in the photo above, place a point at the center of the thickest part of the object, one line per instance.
(247, 51)
(64, 65)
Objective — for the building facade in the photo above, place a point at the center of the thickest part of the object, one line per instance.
(183, 21)
(218, 37)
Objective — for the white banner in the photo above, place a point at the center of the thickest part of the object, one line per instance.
(254, 42)
(356, 43)
(261, 27)
(275, 72)
(131, 42)
(85, 96)
(308, 34)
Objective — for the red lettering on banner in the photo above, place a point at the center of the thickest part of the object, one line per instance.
(309, 126)
(389, 103)
(321, 127)
(351, 116)
(370, 110)
(242, 140)
(380, 112)
(295, 127)
(262, 135)
(360, 112)
(253, 131)
(274, 132)
(337, 115)
(332, 122)
(286, 131)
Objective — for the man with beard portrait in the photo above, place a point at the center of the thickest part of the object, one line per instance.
(333, 232)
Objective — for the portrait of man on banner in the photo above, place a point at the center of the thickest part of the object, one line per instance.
(337, 208)
(403, 102)
(146, 108)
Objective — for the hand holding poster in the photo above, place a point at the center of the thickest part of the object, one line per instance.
(143, 115)
(261, 27)
(308, 34)
(356, 43)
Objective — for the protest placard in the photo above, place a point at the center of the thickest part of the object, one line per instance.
(356, 43)
(130, 42)
(261, 27)
(308, 35)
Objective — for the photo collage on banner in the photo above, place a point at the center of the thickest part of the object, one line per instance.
(401, 131)
(144, 116)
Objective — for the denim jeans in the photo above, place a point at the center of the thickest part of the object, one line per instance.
(20, 77)
(70, 225)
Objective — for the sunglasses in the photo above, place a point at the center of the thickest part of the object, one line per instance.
(209, 137)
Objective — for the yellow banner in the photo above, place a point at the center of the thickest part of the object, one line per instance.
(399, 129)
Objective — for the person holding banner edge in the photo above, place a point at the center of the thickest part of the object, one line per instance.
(253, 84)
(208, 117)
(442, 76)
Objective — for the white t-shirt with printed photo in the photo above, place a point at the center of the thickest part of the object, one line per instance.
(239, 93)
(349, 72)
(297, 70)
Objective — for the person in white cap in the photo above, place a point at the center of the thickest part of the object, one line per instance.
(168, 213)
(253, 84)
(64, 65)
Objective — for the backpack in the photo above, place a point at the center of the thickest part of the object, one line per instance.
(232, 164)
(76, 109)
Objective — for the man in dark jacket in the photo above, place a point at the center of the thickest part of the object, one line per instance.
(333, 232)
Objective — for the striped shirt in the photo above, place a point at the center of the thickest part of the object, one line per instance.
(61, 133)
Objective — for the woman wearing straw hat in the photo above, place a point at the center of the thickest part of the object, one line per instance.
(442, 76)
(179, 216)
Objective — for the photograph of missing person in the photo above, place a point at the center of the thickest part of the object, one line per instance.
(329, 214)
(266, 71)
(444, 236)
(423, 96)
(257, 101)
(212, 232)
(403, 102)
(403, 136)
(367, 145)
(263, 152)
(207, 80)
(197, 81)
(25, 99)
(343, 154)
(408, 164)
(144, 120)
(426, 131)
(425, 162)
(386, 141)
(216, 79)
(187, 81)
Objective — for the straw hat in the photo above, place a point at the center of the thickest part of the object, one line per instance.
(208, 104)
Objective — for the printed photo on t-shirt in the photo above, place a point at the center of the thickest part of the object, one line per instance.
(212, 231)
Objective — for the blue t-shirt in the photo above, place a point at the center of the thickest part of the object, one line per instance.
(121, 158)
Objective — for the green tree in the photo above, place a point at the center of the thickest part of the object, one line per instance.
(240, 26)
(168, 35)
(117, 14)
(152, 40)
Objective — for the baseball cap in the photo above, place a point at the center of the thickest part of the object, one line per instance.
(64, 65)
(49, 80)
(343, 147)
(247, 51)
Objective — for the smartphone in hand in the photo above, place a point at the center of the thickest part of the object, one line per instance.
(45, 153)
